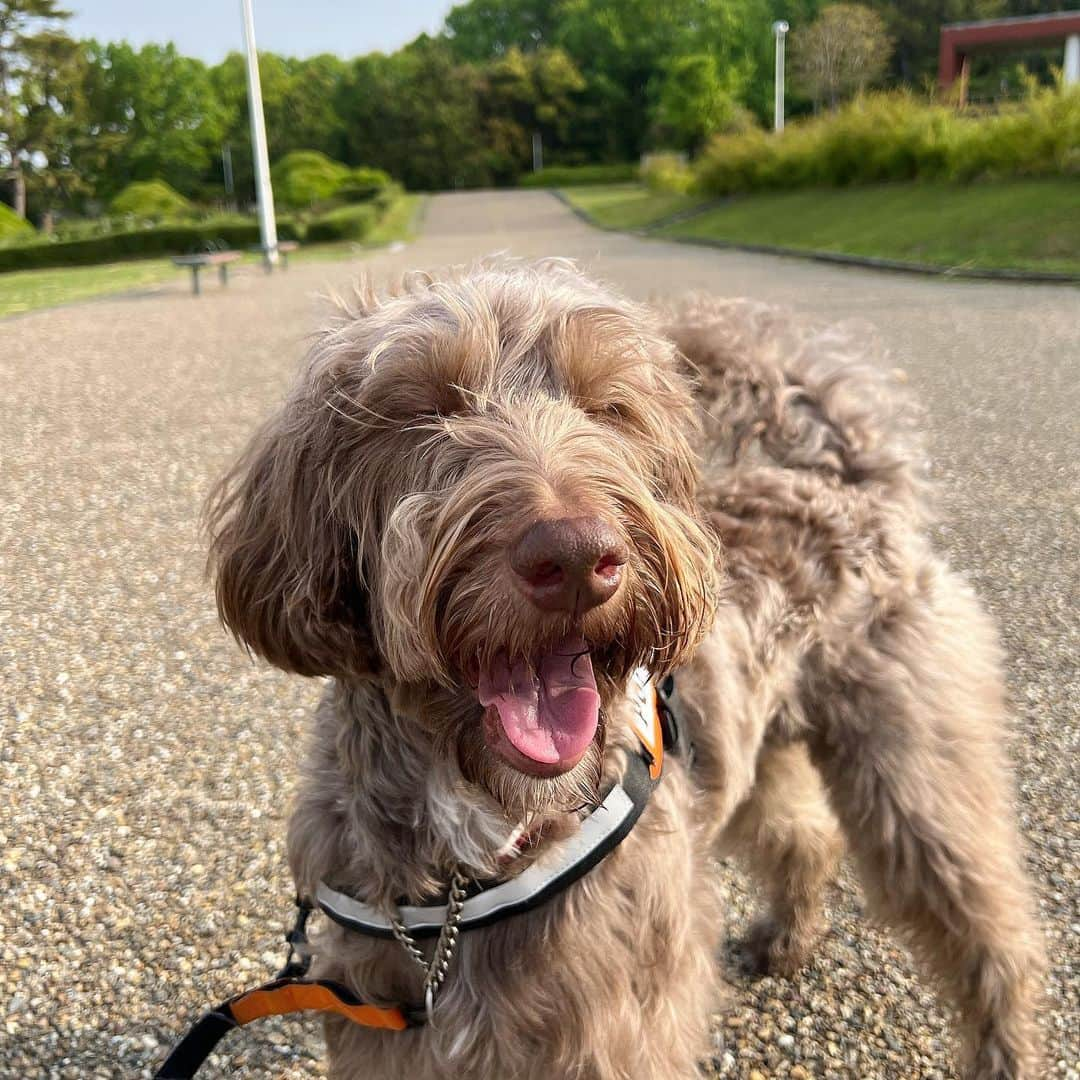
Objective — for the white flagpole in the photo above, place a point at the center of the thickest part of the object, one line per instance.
(779, 28)
(264, 195)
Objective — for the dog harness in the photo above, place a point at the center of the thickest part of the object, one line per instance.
(656, 731)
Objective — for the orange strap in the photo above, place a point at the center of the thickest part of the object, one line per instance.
(285, 995)
(312, 996)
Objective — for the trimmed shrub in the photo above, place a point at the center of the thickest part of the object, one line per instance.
(571, 175)
(304, 178)
(225, 232)
(151, 200)
(886, 137)
(364, 185)
(347, 223)
(13, 227)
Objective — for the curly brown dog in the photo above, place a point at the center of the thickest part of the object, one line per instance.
(491, 497)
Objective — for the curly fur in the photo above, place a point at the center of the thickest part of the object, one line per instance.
(837, 680)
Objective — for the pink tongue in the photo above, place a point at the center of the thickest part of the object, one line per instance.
(550, 717)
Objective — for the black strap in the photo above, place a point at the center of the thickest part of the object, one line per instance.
(277, 998)
(196, 1046)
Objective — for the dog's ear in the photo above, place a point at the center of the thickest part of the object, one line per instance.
(676, 432)
(286, 567)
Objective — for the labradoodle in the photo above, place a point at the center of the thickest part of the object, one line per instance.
(492, 495)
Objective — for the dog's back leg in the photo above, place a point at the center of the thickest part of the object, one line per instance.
(790, 842)
(909, 740)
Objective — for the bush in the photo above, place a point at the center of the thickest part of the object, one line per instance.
(1038, 138)
(12, 226)
(304, 177)
(667, 171)
(886, 137)
(230, 232)
(151, 200)
(364, 185)
(386, 198)
(571, 175)
(347, 223)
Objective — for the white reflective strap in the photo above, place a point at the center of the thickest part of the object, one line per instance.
(643, 716)
(517, 892)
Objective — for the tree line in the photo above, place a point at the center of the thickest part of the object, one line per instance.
(598, 80)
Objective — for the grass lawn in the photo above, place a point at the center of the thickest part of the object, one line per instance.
(1016, 224)
(628, 206)
(25, 290)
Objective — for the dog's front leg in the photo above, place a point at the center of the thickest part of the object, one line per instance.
(788, 839)
(909, 741)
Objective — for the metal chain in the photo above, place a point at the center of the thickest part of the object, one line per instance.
(435, 970)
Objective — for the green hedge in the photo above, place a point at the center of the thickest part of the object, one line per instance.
(569, 175)
(227, 232)
(347, 223)
(886, 137)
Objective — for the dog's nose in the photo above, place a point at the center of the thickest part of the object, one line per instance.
(571, 564)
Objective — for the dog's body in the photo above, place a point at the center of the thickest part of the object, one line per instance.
(827, 650)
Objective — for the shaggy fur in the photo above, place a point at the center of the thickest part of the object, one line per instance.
(836, 679)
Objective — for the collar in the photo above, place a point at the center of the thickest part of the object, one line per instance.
(655, 729)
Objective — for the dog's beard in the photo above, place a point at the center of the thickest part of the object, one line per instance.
(523, 796)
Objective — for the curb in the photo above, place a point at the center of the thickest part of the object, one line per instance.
(867, 262)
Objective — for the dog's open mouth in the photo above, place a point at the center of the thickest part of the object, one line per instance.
(541, 718)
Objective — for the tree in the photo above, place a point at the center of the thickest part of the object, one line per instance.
(30, 47)
(843, 51)
(415, 114)
(69, 148)
(522, 94)
(915, 27)
(695, 99)
(300, 99)
(626, 49)
(488, 29)
(162, 110)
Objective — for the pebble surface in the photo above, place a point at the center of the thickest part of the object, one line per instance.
(146, 765)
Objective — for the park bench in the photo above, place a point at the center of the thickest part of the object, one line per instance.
(285, 248)
(197, 262)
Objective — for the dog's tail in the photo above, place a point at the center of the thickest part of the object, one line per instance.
(780, 390)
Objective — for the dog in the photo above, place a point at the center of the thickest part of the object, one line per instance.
(493, 495)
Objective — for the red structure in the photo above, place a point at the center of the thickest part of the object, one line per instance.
(960, 40)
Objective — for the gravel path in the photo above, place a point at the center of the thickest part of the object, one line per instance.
(145, 766)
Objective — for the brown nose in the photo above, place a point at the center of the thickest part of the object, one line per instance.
(572, 564)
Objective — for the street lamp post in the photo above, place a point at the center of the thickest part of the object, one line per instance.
(779, 29)
(264, 195)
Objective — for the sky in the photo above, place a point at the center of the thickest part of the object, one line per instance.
(209, 29)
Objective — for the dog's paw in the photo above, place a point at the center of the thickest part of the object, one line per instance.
(994, 1060)
(774, 948)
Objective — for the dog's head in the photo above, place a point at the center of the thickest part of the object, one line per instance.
(482, 493)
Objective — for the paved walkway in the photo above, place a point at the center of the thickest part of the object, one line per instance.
(145, 766)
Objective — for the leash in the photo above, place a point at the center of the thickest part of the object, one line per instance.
(291, 991)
